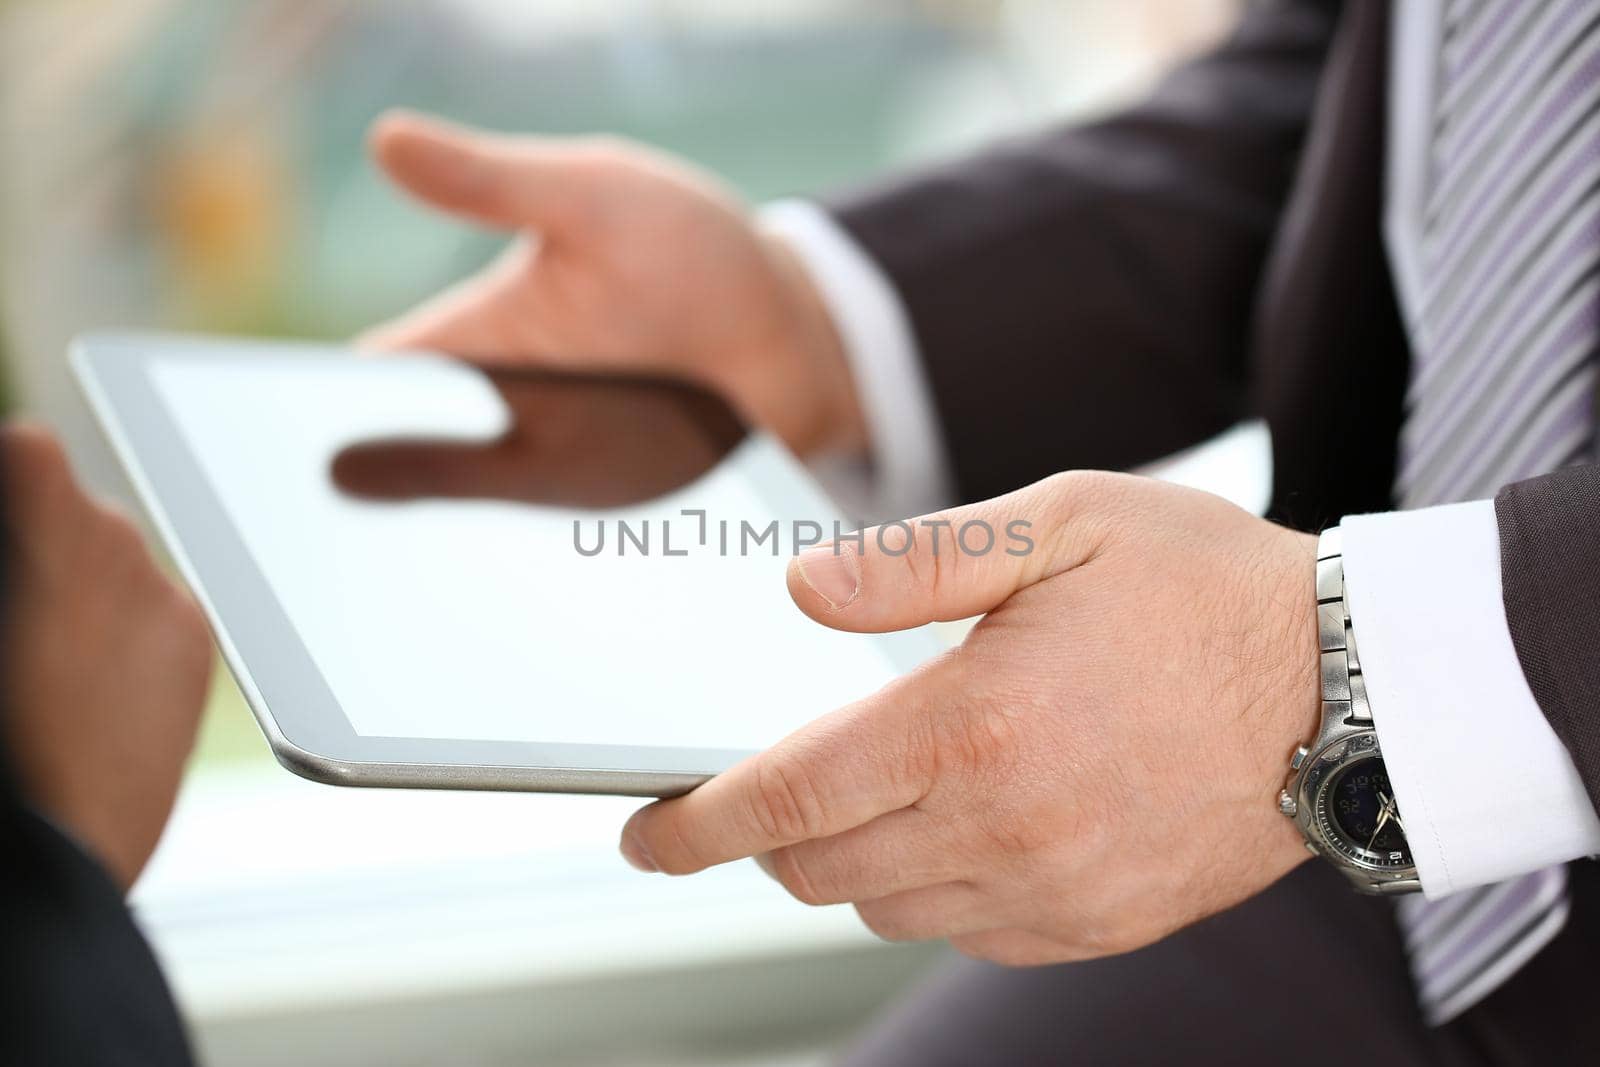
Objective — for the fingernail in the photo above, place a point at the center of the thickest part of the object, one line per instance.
(637, 855)
(833, 573)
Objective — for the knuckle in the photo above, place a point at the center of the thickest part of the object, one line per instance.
(1076, 514)
(1015, 829)
(1078, 486)
(971, 950)
(979, 947)
(28, 451)
(36, 444)
(981, 740)
(938, 572)
(903, 730)
(117, 532)
(1007, 951)
(1009, 835)
(1102, 930)
(944, 565)
(673, 851)
(179, 634)
(1021, 956)
(978, 741)
(189, 623)
(999, 955)
(1061, 492)
(600, 157)
(888, 922)
(786, 802)
(604, 149)
(1092, 941)
(928, 558)
(798, 876)
(896, 545)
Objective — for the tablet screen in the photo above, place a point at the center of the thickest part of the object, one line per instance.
(521, 558)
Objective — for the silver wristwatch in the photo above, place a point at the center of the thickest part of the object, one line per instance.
(1339, 793)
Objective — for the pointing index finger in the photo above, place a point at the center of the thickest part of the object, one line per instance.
(847, 768)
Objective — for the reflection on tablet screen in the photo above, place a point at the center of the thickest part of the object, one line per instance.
(493, 563)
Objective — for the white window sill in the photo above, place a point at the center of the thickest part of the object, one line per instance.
(270, 892)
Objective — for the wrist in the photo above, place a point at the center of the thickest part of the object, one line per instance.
(804, 374)
(1302, 654)
(1299, 683)
(90, 834)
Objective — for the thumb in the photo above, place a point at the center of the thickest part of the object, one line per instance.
(500, 182)
(949, 565)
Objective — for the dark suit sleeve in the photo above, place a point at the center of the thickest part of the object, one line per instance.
(1082, 298)
(78, 985)
(1550, 580)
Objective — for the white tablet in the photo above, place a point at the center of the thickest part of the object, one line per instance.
(423, 574)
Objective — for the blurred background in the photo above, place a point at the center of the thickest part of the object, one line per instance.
(198, 165)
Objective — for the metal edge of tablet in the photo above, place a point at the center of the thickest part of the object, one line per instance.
(329, 771)
(310, 765)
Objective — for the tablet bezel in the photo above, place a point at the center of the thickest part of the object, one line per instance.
(307, 729)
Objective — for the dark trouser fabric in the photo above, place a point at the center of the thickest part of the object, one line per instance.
(1308, 973)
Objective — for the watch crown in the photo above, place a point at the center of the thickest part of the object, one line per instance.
(1299, 757)
(1286, 803)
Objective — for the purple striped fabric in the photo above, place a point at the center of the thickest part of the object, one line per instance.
(1505, 342)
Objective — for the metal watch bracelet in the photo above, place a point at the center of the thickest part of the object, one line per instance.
(1346, 732)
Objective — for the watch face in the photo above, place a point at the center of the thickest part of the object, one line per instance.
(1358, 815)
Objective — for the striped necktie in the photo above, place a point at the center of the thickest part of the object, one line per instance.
(1505, 339)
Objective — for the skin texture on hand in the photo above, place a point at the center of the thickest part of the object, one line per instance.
(624, 259)
(107, 661)
(1093, 768)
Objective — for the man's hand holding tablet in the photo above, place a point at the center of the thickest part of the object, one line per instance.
(1155, 653)
(1155, 650)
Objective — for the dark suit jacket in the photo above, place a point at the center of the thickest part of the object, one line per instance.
(78, 985)
(1103, 295)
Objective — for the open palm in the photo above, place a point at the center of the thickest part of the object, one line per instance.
(624, 259)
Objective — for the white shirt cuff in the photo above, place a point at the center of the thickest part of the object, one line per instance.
(907, 473)
(1487, 789)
